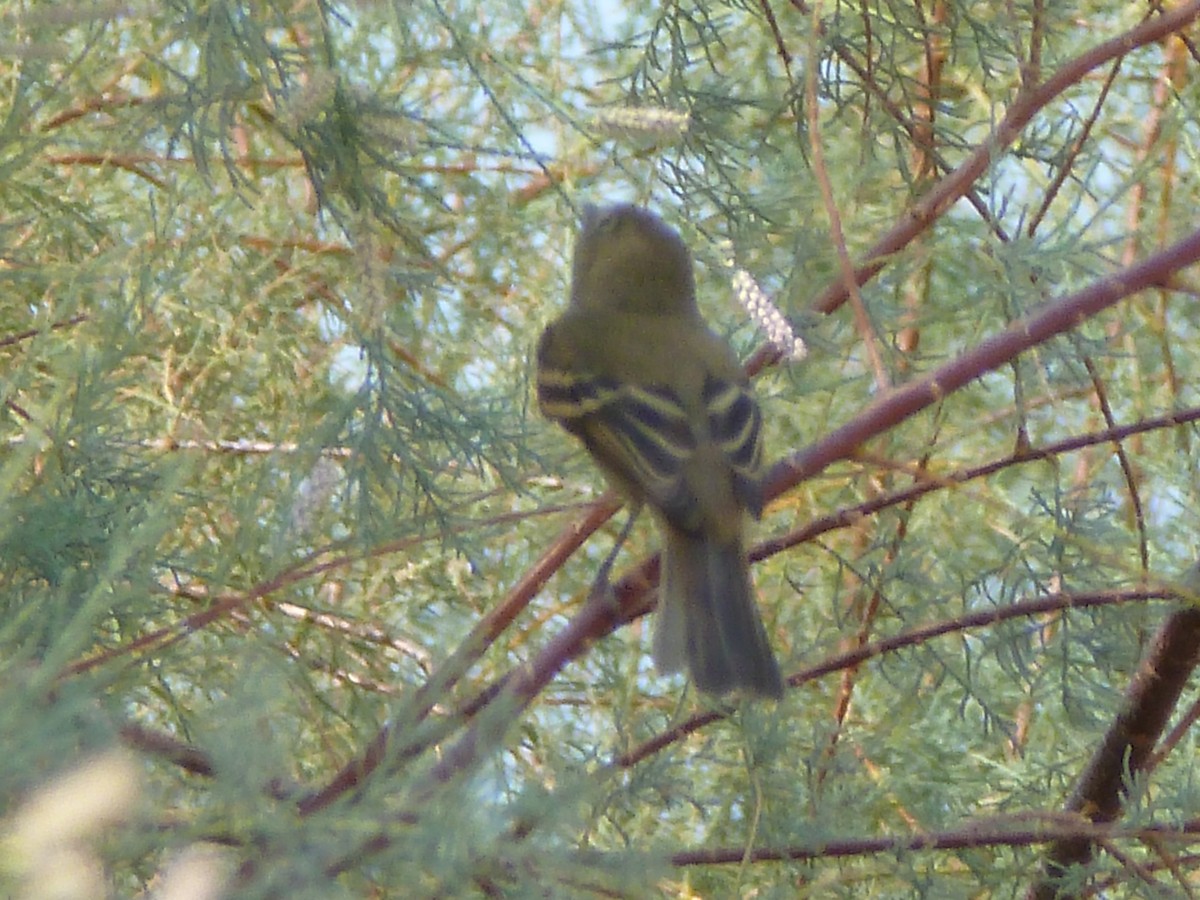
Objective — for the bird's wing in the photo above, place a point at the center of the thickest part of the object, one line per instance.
(643, 434)
(735, 425)
(640, 434)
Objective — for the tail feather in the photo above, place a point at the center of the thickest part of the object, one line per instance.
(708, 621)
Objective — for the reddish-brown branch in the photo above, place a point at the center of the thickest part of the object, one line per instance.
(225, 606)
(1127, 747)
(820, 171)
(468, 652)
(780, 45)
(1054, 318)
(1025, 105)
(165, 746)
(848, 516)
(1005, 832)
(10, 339)
(1127, 468)
(913, 637)
(1066, 167)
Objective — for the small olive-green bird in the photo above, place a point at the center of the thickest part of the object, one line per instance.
(662, 405)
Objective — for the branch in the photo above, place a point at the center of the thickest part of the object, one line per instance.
(914, 637)
(1127, 748)
(1055, 318)
(386, 741)
(1027, 104)
(986, 833)
(929, 482)
(18, 337)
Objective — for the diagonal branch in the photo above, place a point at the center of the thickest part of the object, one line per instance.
(1127, 748)
(1055, 318)
(1025, 105)
(984, 618)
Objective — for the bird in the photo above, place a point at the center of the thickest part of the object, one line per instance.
(659, 400)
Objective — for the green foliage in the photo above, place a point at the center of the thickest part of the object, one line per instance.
(275, 506)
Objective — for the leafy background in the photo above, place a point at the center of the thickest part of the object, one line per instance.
(295, 581)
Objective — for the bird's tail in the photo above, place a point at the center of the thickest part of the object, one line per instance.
(708, 621)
